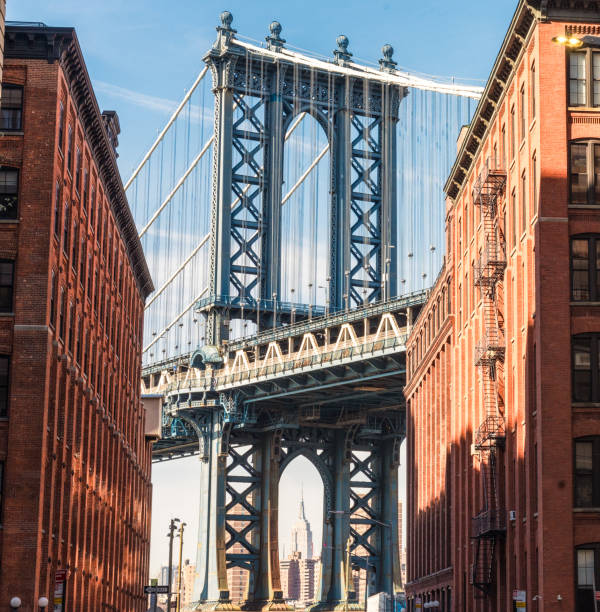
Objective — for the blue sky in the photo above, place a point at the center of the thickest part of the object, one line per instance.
(143, 54)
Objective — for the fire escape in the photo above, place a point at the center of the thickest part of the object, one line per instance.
(490, 524)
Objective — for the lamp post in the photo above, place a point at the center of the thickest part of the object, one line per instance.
(15, 603)
(170, 535)
(180, 536)
(43, 603)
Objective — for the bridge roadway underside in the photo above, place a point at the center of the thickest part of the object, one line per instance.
(328, 390)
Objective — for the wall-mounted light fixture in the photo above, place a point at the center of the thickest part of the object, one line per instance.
(575, 42)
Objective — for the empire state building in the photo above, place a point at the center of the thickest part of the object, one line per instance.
(302, 539)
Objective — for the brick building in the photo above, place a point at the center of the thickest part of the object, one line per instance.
(503, 362)
(74, 459)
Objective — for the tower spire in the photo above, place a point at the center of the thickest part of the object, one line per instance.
(301, 513)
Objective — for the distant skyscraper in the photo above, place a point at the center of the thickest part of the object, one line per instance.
(302, 535)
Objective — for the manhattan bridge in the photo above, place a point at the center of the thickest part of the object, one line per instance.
(292, 215)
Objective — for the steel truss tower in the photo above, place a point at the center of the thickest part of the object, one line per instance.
(258, 94)
(243, 449)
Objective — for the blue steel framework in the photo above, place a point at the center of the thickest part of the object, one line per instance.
(257, 96)
(328, 388)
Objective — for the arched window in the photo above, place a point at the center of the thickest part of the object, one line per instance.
(584, 168)
(585, 268)
(587, 564)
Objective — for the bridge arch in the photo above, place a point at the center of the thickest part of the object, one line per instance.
(305, 209)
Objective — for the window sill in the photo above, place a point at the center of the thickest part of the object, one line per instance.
(9, 221)
(581, 510)
(6, 314)
(12, 133)
(585, 206)
(584, 303)
(584, 109)
(577, 405)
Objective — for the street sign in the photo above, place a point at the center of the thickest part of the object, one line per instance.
(59, 590)
(159, 589)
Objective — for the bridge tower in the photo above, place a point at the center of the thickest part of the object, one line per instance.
(259, 92)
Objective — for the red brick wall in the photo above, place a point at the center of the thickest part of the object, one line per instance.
(534, 381)
(77, 485)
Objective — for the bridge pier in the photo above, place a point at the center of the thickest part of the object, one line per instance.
(239, 508)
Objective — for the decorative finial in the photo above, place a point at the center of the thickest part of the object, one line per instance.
(225, 31)
(387, 63)
(274, 41)
(226, 20)
(341, 53)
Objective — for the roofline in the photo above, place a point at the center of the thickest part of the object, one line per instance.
(528, 13)
(61, 44)
(472, 142)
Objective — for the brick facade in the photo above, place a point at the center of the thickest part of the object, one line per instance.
(520, 134)
(76, 488)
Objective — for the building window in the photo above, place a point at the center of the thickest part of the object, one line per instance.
(61, 315)
(70, 150)
(587, 472)
(61, 126)
(86, 183)
(82, 261)
(524, 211)
(513, 132)
(585, 268)
(7, 268)
(53, 300)
(584, 78)
(533, 91)
(523, 113)
(514, 215)
(57, 210)
(587, 560)
(71, 327)
(585, 379)
(504, 146)
(11, 108)
(78, 170)
(92, 208)
(4, 381)
(534, 186)
(75, 246)
(66, 227)
(9, 192)
(585, 172)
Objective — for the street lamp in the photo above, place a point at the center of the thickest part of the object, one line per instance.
(43, 603)
(170, 535)
(573, 42)
(15, 603)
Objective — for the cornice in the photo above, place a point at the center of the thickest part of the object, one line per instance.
(40, 42)
(514, 43)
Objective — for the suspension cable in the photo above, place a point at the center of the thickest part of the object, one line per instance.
(183, 312)
(166, 128)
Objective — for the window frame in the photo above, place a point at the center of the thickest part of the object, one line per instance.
(595, 471)
(594, 546)
(5, 388)
(594, 340)
(589, 78)
(13, 86)
(10, 310)
(590, 143)
(593, 272)
(17, 171)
